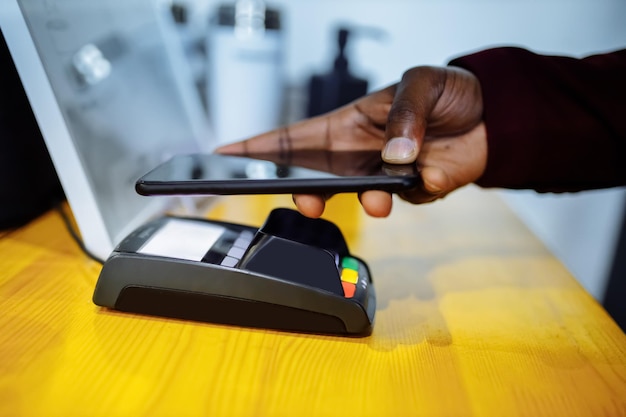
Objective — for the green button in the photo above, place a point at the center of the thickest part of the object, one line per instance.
(350, 263)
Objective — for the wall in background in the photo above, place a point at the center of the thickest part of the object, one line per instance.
(433, 31)
(579, 228)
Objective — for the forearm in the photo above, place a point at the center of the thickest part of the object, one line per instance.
(553, 123)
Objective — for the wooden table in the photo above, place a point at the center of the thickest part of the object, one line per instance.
(475, 318)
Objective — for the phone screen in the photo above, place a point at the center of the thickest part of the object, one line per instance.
(314, 172)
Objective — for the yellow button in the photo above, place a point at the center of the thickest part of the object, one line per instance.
(349, 275)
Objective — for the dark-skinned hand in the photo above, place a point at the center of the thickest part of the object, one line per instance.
(432, 117)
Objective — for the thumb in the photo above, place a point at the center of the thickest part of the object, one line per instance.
(415, 98)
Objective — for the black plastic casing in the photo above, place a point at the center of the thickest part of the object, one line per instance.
(258, 292)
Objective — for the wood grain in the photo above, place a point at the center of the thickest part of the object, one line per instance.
(475, 318)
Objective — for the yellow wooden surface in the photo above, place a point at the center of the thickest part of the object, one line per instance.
(475, 318)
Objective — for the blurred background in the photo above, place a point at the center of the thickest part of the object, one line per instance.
(388, 37)
(252, 66)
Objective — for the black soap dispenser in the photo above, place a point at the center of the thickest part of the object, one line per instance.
(332, 90)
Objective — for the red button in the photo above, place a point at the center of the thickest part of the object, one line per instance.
(348, 289)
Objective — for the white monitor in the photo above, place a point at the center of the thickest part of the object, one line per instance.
(112, 96)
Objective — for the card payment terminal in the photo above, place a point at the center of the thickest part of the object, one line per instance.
(294, 273)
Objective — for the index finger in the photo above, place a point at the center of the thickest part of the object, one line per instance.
(355, 126)
(306, 134)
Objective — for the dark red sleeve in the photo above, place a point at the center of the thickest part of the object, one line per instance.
(554, 123)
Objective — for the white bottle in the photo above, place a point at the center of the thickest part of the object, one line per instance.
(245, 79)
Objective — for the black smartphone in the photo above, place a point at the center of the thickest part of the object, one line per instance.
(299, 172)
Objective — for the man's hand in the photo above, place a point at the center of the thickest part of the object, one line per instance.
(432, 117)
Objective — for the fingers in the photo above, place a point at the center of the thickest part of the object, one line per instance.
(310, 205)
(415, 98)
(374, 108)
(436, 180)
(375, 203)
(357, 126)
(307, 134)
(450, 163)
(435, 184)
